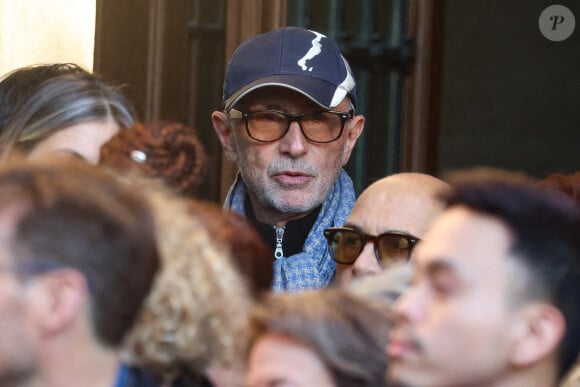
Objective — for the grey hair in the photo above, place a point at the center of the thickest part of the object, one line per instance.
(60, 102)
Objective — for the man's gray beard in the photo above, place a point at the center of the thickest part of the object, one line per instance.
(271, 200)
(266, 199)
(296, 210)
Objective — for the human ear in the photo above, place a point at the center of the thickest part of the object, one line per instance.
(354, 128)
(224, 131)
(538, 333)
(58, 299)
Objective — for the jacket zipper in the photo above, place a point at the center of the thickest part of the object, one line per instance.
(279, 253)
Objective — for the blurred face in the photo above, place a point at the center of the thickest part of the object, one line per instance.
(82, 140)
(289, 177)
(279, 361)
(456, 325)
(388, 205)
(17, 334)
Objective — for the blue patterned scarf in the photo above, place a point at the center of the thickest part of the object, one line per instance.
(313, 267)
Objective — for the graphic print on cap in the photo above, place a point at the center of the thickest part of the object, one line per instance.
(314, 50)
(344, 87)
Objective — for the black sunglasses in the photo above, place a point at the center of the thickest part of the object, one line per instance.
(346, 244)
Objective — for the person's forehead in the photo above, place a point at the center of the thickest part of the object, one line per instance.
(275, 95)
(271, 355)
(466, 241)
(280, 346)
(383, 210)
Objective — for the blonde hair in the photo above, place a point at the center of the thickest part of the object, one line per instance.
(198, 304)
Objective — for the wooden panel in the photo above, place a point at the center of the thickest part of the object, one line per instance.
(421, 89)
(203, 82)
(143, 44)
(121, 46)
(169, 61)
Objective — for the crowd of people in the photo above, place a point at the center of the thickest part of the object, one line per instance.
(114, 273)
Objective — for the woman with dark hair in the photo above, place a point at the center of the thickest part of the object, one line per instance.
(19, 85)
(59, 109)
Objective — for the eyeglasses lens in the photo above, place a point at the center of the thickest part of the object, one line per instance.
(266, 126)
(346, 246)
(393, 248)
(321, 126)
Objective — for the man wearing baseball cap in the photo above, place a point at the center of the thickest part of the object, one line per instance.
(289, 122)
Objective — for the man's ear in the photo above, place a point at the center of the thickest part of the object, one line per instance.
(354, 129)
(224, 132)
(538, 333)
(58, 298)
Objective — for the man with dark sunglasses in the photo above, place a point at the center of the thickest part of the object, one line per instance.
(289, 122)
(387, 221)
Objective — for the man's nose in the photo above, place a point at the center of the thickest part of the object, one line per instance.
(294, 143)
(366, 263)
(411, 306)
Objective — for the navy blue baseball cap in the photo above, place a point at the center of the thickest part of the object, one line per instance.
(295, 58)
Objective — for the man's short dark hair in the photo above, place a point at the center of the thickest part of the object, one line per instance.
(74, 215)
(546, 239)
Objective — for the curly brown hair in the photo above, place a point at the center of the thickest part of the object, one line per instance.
(250, 254)
(197, 307)
(166, 150)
